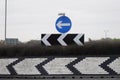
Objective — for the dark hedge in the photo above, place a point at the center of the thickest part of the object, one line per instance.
(94, 48)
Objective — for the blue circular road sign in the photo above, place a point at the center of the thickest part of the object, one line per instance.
(63, 24)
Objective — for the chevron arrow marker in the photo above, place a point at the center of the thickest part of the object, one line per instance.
(115, 65)
(27, 66)
(77, 39)
(45, 41)
(61, 41)
(58, 66)
(90, 65)
(3, 65)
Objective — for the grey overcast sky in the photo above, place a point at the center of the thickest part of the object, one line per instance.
(28, 19)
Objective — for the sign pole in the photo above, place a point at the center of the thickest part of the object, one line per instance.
(5, 19)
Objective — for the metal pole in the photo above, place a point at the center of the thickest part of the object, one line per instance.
(5, 19)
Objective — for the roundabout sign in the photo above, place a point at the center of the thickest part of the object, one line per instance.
(63, 24)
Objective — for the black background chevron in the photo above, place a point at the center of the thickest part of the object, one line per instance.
(68, 39)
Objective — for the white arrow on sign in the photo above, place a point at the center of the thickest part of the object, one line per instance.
(76, 39)
(60, 39)
(27, 66)
(58, 66)
(115, 65)
(90, 65)
(44, 39)
(60, 24)
(3, 65)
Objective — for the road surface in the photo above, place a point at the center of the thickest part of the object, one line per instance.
(68, 79)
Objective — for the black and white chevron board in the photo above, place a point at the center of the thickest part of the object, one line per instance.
(60, 66)
(62, 39)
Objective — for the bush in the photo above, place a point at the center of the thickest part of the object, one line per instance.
(100, 47)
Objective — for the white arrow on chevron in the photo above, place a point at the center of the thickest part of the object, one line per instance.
(90, 65)
(44, 39)
(61, 41)
(27, 66)
(58, 66)
(60, 24)
(77, 39)
(4, 63)
(115, 65)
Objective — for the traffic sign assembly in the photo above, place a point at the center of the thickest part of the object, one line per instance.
(63, 25)
(62, 39)
(60, 66)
